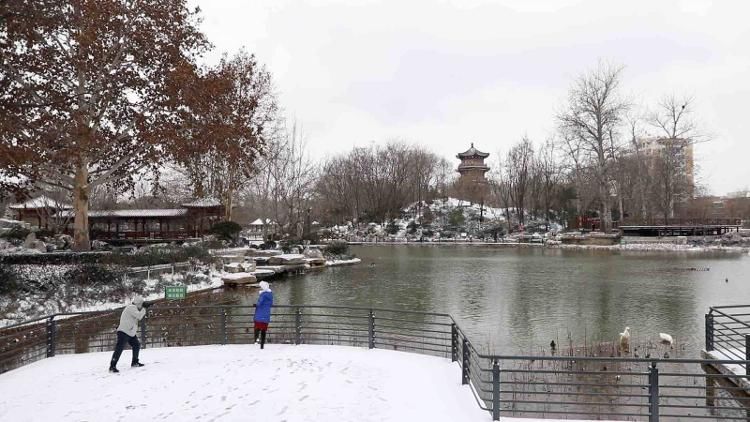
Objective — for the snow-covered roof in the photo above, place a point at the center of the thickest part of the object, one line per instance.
(472, 152)
(164, 212)
(203, 203)
(40, 202)
(259, 222)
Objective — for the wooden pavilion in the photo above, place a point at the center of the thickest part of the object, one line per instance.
(42, 211)
(191, 220)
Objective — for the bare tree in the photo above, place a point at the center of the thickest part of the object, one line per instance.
(548, 174)
(292, 175)
(591, 120)
(519, 165)
(672, 162)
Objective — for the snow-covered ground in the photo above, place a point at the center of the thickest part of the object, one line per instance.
(241, 382)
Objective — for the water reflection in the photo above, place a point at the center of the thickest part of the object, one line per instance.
(520, 299)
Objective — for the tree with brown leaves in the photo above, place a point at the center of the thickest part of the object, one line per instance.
(233, 118)
(89, 91)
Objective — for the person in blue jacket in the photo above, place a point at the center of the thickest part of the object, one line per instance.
(263, 312)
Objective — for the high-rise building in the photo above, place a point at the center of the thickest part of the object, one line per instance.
(677, 153)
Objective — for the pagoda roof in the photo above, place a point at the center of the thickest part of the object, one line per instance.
(472, 152)
(40, 202)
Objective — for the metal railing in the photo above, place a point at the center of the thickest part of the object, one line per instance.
(604, 386)
(728, 332)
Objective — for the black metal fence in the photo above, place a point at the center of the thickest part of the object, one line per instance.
(728, 333)
(584, 387)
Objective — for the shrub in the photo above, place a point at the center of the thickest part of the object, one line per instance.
(9, 282)
(44, 233)
(288, 244)
(337, 248)
(16, 233)
(268, 244)
(392, 228)
(456, 217)
(227, 230)
(93, 274)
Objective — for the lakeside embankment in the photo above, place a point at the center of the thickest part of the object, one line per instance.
(32, 290)
(640, 247)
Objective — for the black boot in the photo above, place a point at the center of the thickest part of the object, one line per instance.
(255, 337)
(262, 338)
(136, 364)
(113, 370)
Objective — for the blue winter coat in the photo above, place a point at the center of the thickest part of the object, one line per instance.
(263, 307)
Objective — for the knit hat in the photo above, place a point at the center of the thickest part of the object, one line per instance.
(137, 301)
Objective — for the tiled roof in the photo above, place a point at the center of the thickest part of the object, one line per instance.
(471, 152)
(203, 203)
(164, 212)
(40, 202)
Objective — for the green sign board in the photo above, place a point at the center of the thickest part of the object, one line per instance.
(175, 292)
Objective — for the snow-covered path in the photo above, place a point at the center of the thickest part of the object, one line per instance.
(241, 382)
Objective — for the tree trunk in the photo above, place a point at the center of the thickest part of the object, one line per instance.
(606, 217)
(228, 205)
(81, 208)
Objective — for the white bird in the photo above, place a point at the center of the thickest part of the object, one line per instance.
(625, 340)
(666, 339)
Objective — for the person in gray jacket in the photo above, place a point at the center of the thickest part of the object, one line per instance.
(126, 332)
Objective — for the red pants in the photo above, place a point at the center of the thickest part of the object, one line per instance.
(261, 325)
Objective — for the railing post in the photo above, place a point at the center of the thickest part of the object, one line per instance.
(653, 392)
(224, 326)
(51, 336)
(298, 326)
(144, 339)
(747, 354)
(454, 342)
(371, 330)
(709, 332)
(465, 366)
(495, 390)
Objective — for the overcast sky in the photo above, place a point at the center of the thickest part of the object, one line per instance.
(447, 73)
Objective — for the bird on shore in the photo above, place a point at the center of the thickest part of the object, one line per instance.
(553, 346)
(726, 280)
(625, 340)
(666, 338)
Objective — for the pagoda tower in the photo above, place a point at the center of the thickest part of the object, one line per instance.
(472, 185)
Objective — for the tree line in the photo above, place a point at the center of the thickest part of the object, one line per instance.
(100, 98)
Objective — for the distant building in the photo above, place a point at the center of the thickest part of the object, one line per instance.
(679, 150)
(472, 185)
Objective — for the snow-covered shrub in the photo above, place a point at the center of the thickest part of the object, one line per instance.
(92, 274)
(337, 248)
(226, 230)
(16, 234)
(288, 245)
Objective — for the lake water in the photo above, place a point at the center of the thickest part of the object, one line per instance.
(517, 300)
